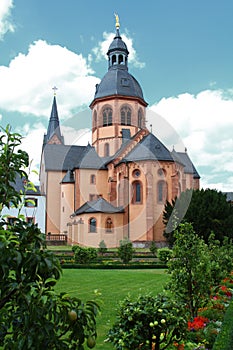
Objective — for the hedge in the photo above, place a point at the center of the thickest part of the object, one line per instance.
(113, 266)
(224, 340)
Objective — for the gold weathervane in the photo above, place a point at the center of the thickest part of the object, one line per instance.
(117, 21)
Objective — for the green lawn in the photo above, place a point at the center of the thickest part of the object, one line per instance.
(114, 286)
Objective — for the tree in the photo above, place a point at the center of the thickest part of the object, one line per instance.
(221, 258)
(208, 211)
(32, 314)
(125, 251)
(190, 270)
(148, 323)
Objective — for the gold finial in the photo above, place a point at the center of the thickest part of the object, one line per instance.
(117, 21)
(54, 90)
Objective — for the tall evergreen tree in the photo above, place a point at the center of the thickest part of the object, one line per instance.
(208, 211)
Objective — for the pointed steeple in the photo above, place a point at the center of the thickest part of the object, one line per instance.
(54, 131)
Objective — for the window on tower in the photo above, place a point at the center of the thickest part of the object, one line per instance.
(125, 115)
(107, 116)
(95, 120)
(106, 150)
(140, 118)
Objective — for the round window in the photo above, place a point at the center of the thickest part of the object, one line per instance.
(136, 173)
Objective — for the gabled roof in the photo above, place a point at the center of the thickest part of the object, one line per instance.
(149, 148)
(63, 158)
(99, 205)
(68, 178)
(183, 158)
(91, 160)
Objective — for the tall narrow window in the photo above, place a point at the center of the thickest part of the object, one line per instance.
(162, 191)
(92, 225)
(121, 59)
(107, 116)
(125, 116)
(92, 179)
(140, 118)
(106, 149)
(109, 225)
(137, 192)
(95, 120)
(114, 59)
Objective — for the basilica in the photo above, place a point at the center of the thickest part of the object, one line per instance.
(116, 187)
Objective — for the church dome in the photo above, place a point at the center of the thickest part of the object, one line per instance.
(118, 81)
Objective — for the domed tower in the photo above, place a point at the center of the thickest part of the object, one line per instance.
(118, 108)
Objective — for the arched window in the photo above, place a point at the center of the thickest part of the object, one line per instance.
(162, 191)
(137, 192)
(106, 149)
(125, 116)
(92, 179)
(92, 225)
(95, 120)
(108, 225)
(140, 118)
(121, 59)
(107, 116)
(114, 59)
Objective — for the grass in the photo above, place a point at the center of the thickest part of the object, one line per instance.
(114, 285)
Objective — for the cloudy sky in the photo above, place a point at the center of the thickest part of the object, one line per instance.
(181, 52)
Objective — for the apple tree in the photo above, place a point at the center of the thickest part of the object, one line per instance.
(32, 314)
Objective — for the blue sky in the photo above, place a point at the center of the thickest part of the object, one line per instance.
(181, 52)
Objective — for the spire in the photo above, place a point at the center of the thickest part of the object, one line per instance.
(54, 124)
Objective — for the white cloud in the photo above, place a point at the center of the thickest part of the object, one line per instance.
(5, 20)
(101, 49)
(26, 84)
(204, 123)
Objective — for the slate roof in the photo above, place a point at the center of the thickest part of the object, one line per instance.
(117, 44)
(99, 205)
(68, 178)
(64, 158)
(183, 158)
(149, 148)
(118, 81)
(54, 125)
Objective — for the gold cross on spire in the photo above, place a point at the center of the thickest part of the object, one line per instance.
(117, 21)
(54, 90)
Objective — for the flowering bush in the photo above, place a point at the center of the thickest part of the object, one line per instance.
(198, 322)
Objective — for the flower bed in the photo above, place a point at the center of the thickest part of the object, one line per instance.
(203, 330)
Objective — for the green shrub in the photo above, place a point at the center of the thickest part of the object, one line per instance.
(153, 248)
(125, 251)
(83, 255)
(165, 254)
(102, 247)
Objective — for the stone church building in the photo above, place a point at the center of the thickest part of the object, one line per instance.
(116, 187)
